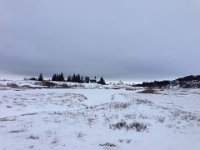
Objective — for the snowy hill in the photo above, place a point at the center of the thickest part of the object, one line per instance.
(184, 82)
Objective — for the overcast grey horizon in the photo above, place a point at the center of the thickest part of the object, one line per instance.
(120, 40)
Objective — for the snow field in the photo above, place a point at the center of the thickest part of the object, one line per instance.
(99, 119)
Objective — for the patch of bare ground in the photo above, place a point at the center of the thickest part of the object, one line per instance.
(149, 91)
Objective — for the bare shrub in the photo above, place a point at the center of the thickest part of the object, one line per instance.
(80, 135)
(130, 116)
(139, 127)
(121, 140)
(33, 137)
(161, 119)
(119, 125)
(184, 115)
(31, 146)
(90, 121)
(121, 105)
(128, 141)
(54, 141)
(142, 116)
(146, 102)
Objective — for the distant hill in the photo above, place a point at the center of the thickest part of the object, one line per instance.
(191, 81)
(189, 78)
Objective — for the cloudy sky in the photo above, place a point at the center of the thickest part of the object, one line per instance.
(120, 40)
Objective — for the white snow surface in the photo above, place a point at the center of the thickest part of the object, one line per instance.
(85, 118)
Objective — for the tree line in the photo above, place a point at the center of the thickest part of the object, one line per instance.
(71, 78)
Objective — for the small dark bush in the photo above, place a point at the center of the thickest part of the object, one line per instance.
(101, 81)
(119, 125)
(108, 145)
(32, 78)
(139, 127)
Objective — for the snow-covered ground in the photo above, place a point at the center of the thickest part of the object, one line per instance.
(98, 117)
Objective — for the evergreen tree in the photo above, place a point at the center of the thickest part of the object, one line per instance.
(58, 77)
(40, 77)
(101, 81)
(82, 79)
(62, 77)
(87, 79)
(74, 78)
(78, 78)
(69, 79)
(53, 77)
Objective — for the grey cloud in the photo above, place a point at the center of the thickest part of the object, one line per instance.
(119, 40)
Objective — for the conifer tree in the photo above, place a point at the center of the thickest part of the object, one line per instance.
(101, 81)
(87, 79)
(40, 78)
(62, 77)
(69, 79)
(74, 78)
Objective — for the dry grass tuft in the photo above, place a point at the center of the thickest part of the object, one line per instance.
(139, 127)
(16, 131)
(33, 137)
(29, 114)
(108, 145)
(7, 119)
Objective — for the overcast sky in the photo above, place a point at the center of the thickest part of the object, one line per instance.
(117, 39)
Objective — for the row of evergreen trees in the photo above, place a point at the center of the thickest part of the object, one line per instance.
(74, 78)
(58, 77)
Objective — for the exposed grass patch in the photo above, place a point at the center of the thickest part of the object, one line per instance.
(149, 91)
